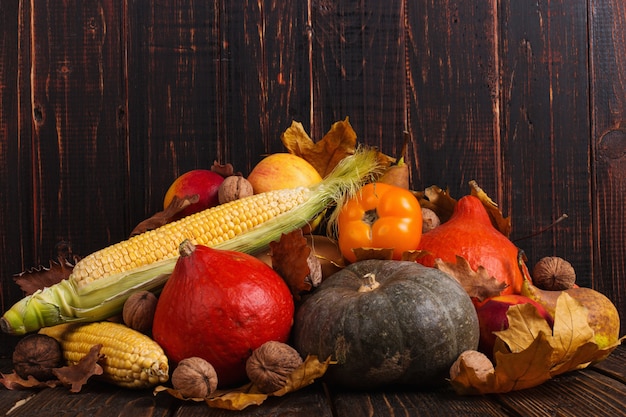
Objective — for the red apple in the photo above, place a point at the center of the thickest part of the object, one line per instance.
(492, 317)
(282, 170)
(203, 182)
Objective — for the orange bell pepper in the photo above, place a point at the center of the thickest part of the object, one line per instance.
(380, 216)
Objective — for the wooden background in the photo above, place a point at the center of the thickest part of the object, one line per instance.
(103, 103)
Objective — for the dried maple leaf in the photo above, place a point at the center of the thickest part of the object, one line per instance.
(13, 381)
(503, 224)
(529, 352)
(478, 284)
(290, 256)
(163, 217)
(340, 141)
(39, 277)
(77, 375)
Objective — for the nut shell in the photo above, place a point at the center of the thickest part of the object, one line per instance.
(553, 273)
(194, 378)
(138, 311)
(36, 355)
(270, 364)
(234, 188)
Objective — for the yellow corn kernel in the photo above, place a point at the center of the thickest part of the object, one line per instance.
(208, 228)
(131, 359)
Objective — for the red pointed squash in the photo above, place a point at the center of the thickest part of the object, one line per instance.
(469, 233)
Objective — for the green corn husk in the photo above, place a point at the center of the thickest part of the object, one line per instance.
(65, 302)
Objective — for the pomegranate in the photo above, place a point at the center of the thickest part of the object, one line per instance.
(221, 305)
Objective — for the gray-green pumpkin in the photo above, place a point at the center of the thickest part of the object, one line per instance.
(405, 329)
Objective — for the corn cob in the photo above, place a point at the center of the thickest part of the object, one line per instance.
(102, 281)
(131, 359)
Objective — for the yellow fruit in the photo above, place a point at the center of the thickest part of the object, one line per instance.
(282, 170)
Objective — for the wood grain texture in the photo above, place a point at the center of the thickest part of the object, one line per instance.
(608, 144)
(452, 87)
(546, 123)
(13, 193)
(358, 70)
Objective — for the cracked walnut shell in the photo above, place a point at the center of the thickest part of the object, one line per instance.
(234, 188)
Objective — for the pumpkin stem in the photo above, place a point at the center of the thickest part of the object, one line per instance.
(186, 248)
(371, 284)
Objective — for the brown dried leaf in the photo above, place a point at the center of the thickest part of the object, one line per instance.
(77, 375)
(478, 284)
(529, 352)
(39, 277)
(339, 142)
(438, 200)
(13, 381)
(290, 260)
(163, 217)
(225, 170)
(497, 219)
(362, 254)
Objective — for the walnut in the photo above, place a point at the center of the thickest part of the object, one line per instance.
(553, 273)
(234, 188)
(270, 364)
(37, 355)
(476, 360)
(138, 311)
(194, 377)
(430, 220)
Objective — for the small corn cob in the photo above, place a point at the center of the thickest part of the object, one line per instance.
(131, 359)
(101, 282)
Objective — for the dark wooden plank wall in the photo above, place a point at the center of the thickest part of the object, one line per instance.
(104, 103)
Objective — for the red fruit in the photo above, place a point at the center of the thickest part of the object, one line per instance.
(492, 317)
(221, 305)
(203, 182)
(469, 233)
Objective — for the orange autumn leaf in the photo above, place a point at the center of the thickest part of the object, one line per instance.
(478, 284)
(529, 352)
(340, 141)
(325, 154)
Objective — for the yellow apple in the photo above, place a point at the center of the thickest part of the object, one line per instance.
(282, 170)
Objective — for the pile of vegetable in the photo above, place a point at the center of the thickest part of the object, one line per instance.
(322, 264)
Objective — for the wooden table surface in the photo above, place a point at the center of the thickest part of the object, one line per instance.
(593, 392)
